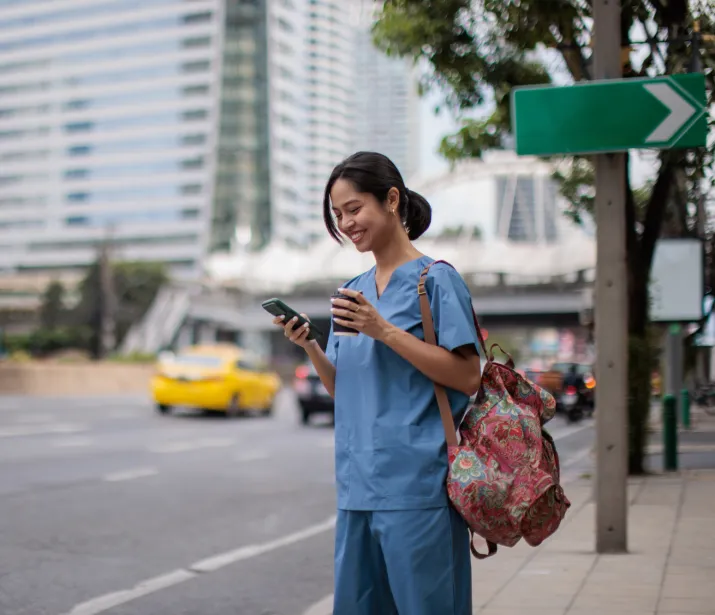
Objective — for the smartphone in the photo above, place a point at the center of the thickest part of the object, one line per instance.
(278, 308)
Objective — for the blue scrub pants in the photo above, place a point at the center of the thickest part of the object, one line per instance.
(402, 562)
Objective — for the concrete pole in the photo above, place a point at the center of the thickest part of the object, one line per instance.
(611, 315)
(108, 299)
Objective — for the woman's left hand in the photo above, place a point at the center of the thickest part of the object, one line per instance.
(361, 316)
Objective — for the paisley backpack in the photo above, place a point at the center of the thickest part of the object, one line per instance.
(503, 474)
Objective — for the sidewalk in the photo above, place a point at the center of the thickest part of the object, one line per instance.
(669, 570)
(696, 446)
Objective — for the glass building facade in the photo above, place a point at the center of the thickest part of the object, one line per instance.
(143, 119)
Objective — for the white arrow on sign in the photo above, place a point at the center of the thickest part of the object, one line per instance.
(680, 112)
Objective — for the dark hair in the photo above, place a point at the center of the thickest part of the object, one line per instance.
(375, 174)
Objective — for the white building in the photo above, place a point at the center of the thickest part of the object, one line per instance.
(507, 197)
(288, 117)
(180, 128)
(386, 101)
(330, 87)
(109, 116)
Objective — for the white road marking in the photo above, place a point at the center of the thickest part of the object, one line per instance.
(564, 432)
(144, 588)
(322, 607)
(211, 564)
(191, 445)
(251, 456)
(130, 474)
(42, 430)
(106, 602)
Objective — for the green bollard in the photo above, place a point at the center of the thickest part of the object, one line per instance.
(670, 434)
(685, 404)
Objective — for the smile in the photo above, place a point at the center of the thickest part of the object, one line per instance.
(355, 237)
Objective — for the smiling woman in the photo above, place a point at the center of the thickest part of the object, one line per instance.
(366, 175)
(394, 524)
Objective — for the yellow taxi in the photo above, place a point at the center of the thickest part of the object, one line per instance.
(217, 377)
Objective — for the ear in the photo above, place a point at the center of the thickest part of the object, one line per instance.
(393, 198)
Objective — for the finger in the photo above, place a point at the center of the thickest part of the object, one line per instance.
(355, 294)
(345, 304)
(278, 320)
(290, 325)
(353, 324)
(343, 313)
(300, 333)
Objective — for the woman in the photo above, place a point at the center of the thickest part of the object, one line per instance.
(400, 548)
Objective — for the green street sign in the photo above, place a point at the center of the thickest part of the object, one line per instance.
(611, 115)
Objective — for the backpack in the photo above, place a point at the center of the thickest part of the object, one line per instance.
(503, 476)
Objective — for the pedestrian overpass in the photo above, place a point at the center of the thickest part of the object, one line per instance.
(511, 283)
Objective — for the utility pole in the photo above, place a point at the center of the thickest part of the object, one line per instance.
(611, 314)
(107, 320)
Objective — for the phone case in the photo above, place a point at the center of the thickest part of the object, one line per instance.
(276, 307)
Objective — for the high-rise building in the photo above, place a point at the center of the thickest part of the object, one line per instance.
(182, 127)
(386, 100)
(140, 118)
(241, 210)
(288, 113)
(330, 87)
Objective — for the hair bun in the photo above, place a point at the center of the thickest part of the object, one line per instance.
(418, 215)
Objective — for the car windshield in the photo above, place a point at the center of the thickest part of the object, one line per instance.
(194, 360)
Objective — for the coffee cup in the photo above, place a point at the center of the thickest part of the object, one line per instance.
(339, 329)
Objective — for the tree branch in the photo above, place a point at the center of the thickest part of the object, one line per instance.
(631, 235)
(655, 211)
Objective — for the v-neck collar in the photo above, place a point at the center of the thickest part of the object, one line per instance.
(379, 295)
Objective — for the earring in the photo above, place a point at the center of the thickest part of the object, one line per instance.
(392, 211)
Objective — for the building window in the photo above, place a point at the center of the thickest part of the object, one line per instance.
(76, 173)
(77, 197)
(79, 150)
(284, 25)
(78, 127)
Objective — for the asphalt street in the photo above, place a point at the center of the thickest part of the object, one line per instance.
(107, 507)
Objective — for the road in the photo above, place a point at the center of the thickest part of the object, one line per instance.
(106, 507)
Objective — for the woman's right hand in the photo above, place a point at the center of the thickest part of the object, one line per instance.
(298, 336)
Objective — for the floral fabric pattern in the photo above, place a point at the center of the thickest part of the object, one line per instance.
(504, 475)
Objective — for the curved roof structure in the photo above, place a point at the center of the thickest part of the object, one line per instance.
(525, 237)
(283, 268)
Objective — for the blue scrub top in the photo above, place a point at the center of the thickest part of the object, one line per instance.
(390, 449)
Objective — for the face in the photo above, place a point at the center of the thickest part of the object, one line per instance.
(362, 218)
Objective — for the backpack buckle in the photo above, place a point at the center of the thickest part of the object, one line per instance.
(421, 289)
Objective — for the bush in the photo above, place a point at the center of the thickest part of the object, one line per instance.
(43, 342)
(134, 357)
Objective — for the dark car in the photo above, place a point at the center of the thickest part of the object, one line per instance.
(313, 398)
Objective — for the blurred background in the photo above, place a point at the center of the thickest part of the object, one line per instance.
(162, 166)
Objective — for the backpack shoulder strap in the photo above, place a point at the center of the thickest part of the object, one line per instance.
(445, 411)
(421, 290)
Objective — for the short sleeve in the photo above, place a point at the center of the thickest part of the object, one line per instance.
(451, 306)
(331, 348)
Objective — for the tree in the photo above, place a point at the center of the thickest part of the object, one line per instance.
(134, 284)
(52, 309)
(477, 51)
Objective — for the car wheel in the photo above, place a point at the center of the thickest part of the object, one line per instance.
(305, 416)
(163, 409)
(234, 407)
